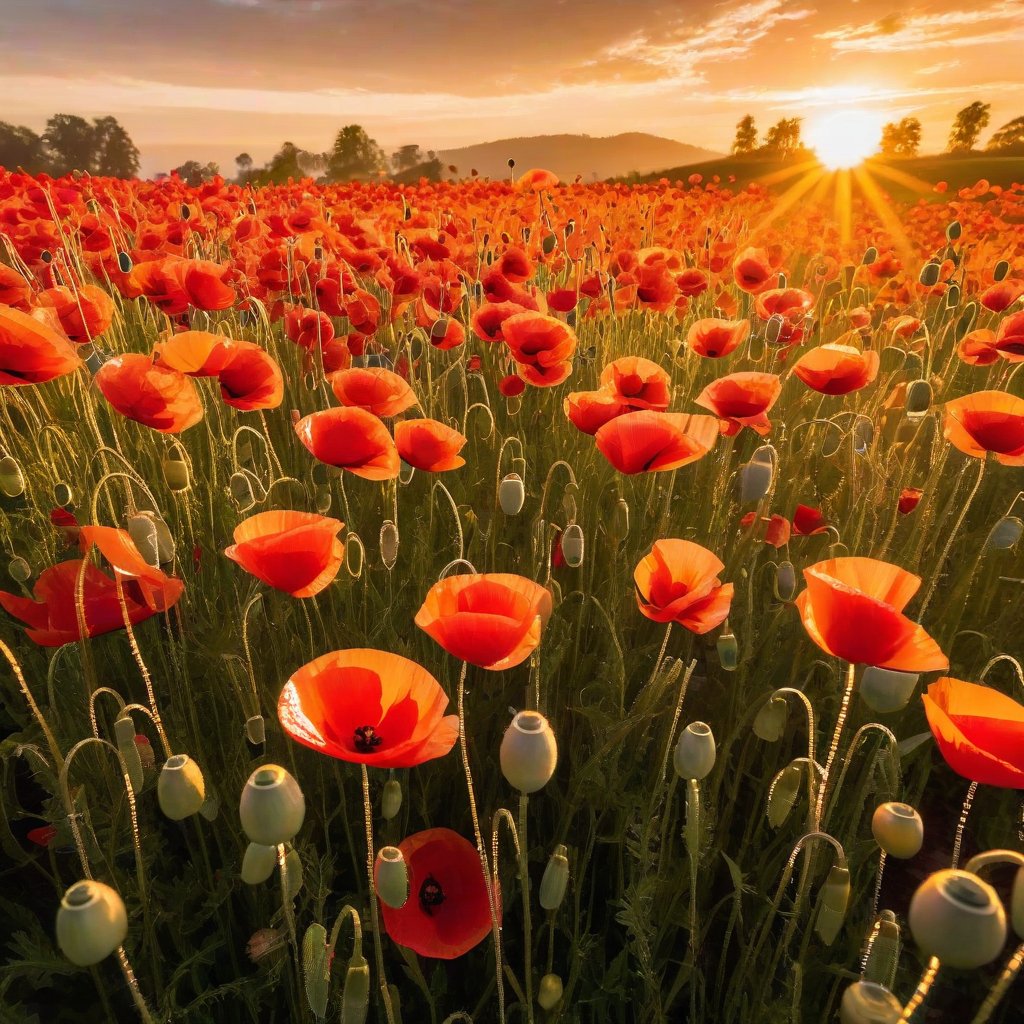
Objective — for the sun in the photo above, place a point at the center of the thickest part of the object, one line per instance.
(844, 138)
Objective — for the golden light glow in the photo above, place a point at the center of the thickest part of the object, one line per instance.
(844, 138)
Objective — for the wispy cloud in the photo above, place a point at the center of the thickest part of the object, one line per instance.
(940, 68)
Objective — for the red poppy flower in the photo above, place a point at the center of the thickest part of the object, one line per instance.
(429, 445)
(308, 328)
(542, 345)
(162, 282)
(447, 333)
(447, 912)
(562, 300)
(715, 338)
(979, 731)
(1001, 296)
(511, 385)
(84, 314)
(638, 382)
(978, 348)
(297, 552)
(678, 582)
(908, 501)
(645, 441)
(42, 836)
(752, 271)
(353, 439)
(158, 590)
(196, 353)
(776, 529)
(514, 265)
(852, 609)
(368, 707)
(206, 287)
(492, 620)
(837, 369)
(375, 389)
(591, 410)
(1010, 337)
(31, 352)
(808, 521)
(792, 305)
(14, 289)
(987, 421)
(251, 379)
(742, 400)
(154, 395)
(692, 282)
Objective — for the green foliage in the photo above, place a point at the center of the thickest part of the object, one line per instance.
(967, 126)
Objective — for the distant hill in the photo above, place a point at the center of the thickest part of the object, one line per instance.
(569, 155)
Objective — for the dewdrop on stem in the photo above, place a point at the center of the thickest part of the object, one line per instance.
(91, 923)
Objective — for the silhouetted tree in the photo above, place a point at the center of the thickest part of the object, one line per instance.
(21, 147)
(406, 157)
(746, 136)
(784, 136)
(244, 164)
(70, 143)
(967, 127)
(115, 155)
(193, 173)
(354, 155)
(1008, 139)
(290, 162)
(901, 138)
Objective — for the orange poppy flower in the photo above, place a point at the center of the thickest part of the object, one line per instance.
(158, 590)
(368, 707)
(448, 909)
(792, 305)
(84, 314)
(162, 282)
(638, 382)
(978, 348)
(678, 582)
(492, 620)
(692, 282)
(375, 389)
(487, 319)
(987, 421)
(542, 345)
(353, 439)
(195, 353)
(852, 609)
(752, 271)
(447, 333)
(429, 445)
(776, 530)
(536, 180)
(1010, 337)
(979, 731)
(31, 352)
(645, 441)
(837, 369)
(156, 396)
(591, 410)
(742, 400)
(715, 338)
(251, 379)
(205, 285)
(14, 289)
(297, 552)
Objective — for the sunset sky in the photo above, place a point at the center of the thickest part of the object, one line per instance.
(210, 78)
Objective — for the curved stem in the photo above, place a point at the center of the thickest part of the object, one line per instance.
(51, 741)
(921, 992)
(834, 745)
(962, 823)
(998, 990)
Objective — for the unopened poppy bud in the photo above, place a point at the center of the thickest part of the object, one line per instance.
(954, 230)
(549, 243)
(773, 328)
(782, 794)
(864, 1002)
(898, 829)
(19, 570)
(863, 434)
(180, 789)
(929, 275)
(1005, 534)
(12, 480)
(124, 738)
(728, 651)
(124, 263)
(241, 491)
(388, 544)
(142, 531)
(957, 917)
(511, 494)
(255, 730)
(355, 994)
(755, 479)
(919, 398)
(695, 752)
(291, 873)
(186, 211)
(258, 863)
(176, 472)
(550, 991)
(391, 799)
(555, 879)
(884, 690)
(785, 582)
(272, 807)
(528, 753)
(62, 494)
(391, 877)
(91, 923)
(880, 965)
(1001, 270)
(770, 721)
(1017, 904)
(145, 749)
(870, 255)
(316, 970)
(833, 899)
(572, 545)
(952, 296)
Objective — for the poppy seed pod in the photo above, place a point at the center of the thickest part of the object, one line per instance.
(898, 830)
(388, 544)
(782, 794)
(62, 494)
(864, 1002)
(1005, 534)
(695, 752)
(919, 398)
(176, 472)
(954, 230)
(258, 863)
(555, 879)
(355, 993)
(785, 582)
(770, 721)
(528, 753)
(880, 965)
(91, 923)
(572, 545)
(957, 917)
(19, 570)
(391, 877)
(391, 799)
(929, 275)
(953, 296)
(1002, 268)
(272, 807)
(833, 900)
(884, 690)
(12, 480)
(774, 328)
(511, 494)
(142, 531)
(124, 737)
(180, 789)
(550, 991)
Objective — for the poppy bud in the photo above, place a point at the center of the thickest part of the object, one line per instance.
(1005, 534)
(62, 494)
(20, 571)
(388, 544)
(186, 212)
(511, 494)
(919, 398)
(258, 863)
(323, 500)
(728, 651)
(124, 263)
(966, 322)
(785, 582)
(391, 799)
(145, 749)
(124, 737)
(272, 807)
(833, 899)
(176, 472)
(391, 877)
(555, 879)
(957, 917)
(756, 476)
(291, 873)
(770, 721)
(953, 231)
(550, 991)
(1017, 904)
(870, 255)
(142, 531)
(773, 328)
(572, 545)
(929, 275)
(953, 296)
(355, 994)
(897, 829)
(528, 753)
(255, 730)
(883, 957)
(316, 969)
(12, 480)
(180, 789)
(1001, 270)
(695, 752)
(863, 433)
(241, 491)
(884, 690)
(864, 1002)
(91, 923)
(618, 525)
(782, 794)
(548, 244)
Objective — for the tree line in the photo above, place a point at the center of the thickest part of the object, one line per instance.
(70, 143)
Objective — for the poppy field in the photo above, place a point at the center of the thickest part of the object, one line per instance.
(510, 601)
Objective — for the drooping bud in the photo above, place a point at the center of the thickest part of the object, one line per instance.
(954, 230)
(316, 968)
(773, 328)
(782, 794)
(272, 807)
(728, 650)
(864, 1002)
(512, 494)
(884, 690)
(291, 873)
(391, 877)
(929, 275)
(355, 994)
(258, 863)
(555, 879)
(391, 799)
(176, 471)
(770, 721)
(695, 752)
(62, 494)
(870, 255)
(529, 752)
(1002, 268)
(142, 531)
(241, 490)
(833, 900)
(256, 730)
(881, 962)
(918, 399)
(180, 789)
(20, 571)
(898, 829)
(755, 479)
(388, 544)
(550, 991)
(124, 738)
(572, 545)
(91, 923)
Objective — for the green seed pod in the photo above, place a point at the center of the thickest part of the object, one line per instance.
(272, 807)
(883, 958)
(1005, 534)
(91, 923)
(1001, 270)
(695, 752)
(549, 993)
(869, 257)
(966, 321)
(142, 531)
(957, 917)
(256, 730)
(391, 799)
(391, 877)
(316, 968)
(20, 571)
(1017, 904)
(884, 690)
(770, 721)
(124, 737)
(572, 545)
(954, 230)
(176, 472)
(864, 1002)
(833, 900)
(728, 651)
(782, 794)
(898, 829)
(773, 328)
(355, 995)
(618, 525)
(258, 863)
(529, 752)
(12, 480)
(180, 789)
(511, 494)
(62, 494)
(388, 544)
(785, 582)
(929, 275)
(555, 879)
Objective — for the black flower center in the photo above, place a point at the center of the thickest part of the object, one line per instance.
(431, 895)
(366, 739)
